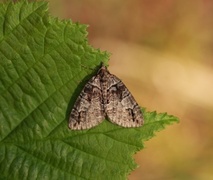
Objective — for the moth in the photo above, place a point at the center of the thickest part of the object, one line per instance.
(105, 95)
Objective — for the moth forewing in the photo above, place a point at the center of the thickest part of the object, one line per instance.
(105, 94)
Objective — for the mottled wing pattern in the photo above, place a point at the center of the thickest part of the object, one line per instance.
(105, 94)
(88, 108)
(121, 107)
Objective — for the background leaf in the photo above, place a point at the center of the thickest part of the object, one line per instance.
(44, 63)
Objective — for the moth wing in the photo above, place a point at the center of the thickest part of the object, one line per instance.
(88, 108)
(121, 107)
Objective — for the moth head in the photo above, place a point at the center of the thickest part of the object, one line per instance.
(103, 71)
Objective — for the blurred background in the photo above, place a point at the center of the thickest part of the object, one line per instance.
(163, 52)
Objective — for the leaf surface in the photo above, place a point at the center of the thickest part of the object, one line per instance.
(44, 63)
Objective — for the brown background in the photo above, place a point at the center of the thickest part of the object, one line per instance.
(162, 50)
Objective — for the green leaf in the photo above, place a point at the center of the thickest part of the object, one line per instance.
(44, 63)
